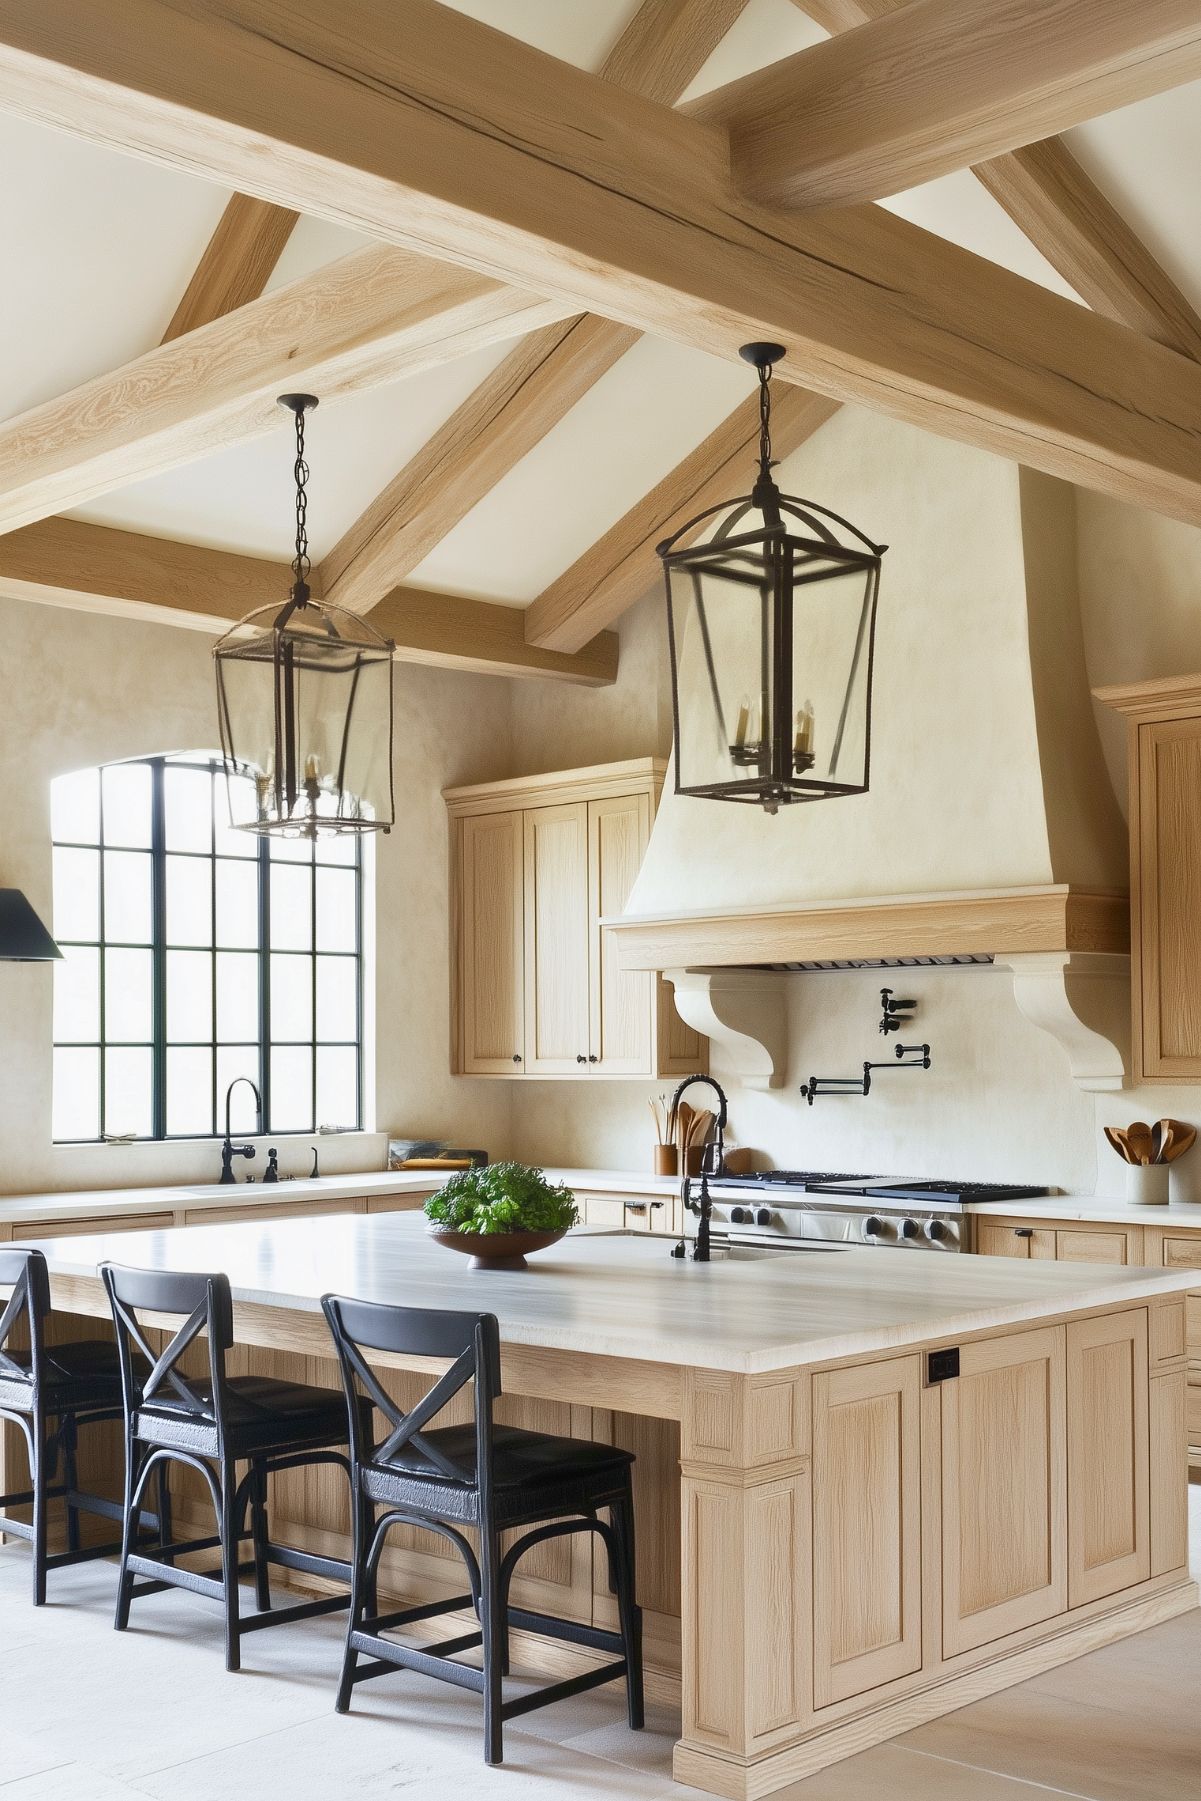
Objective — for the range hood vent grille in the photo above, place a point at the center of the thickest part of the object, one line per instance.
(836, 963)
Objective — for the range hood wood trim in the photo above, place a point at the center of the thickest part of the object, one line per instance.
(996, 921)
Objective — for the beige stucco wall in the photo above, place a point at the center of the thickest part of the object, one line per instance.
(82, 689)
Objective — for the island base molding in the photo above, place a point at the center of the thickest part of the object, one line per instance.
(737, 1779)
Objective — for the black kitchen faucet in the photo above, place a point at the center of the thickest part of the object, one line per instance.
(712, 1158)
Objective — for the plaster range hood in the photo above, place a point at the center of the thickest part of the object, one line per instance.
(991, 832)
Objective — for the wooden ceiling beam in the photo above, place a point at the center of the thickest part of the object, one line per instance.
(424, 127)
(661, 50)
(237, 262)
(940, 84)
(1067, 218)
(530, 391)
(371, 317)
(99, 569)
(622, 566)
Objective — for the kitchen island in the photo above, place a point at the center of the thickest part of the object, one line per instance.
(869, 1488)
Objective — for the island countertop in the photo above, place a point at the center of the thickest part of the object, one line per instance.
(623, 1294)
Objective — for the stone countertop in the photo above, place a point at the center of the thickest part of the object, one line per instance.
(623, 1294)
(97, 1203)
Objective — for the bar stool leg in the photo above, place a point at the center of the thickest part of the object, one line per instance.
(491, 1606)
(69, 1429)
(128, 1536)
(259, 1536)
(166, 1525)
(229, 1563)
(629, 1613)
(38, 1476)
(362, 1589)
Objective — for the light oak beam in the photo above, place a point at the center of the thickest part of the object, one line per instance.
(940, 84)
(665, 44)
(99, 569)
(535, 386)
(237, 262)
(622, 566)
(371, 317)
(1067, 218)
(421, 125)
(451, 632)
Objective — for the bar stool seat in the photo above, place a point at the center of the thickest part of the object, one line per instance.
(534, 1475)
(50, 1392)
(261, 1413)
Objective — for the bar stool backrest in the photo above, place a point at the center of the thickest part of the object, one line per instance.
(25, 1272)
(204, 1304)
(470, 1340)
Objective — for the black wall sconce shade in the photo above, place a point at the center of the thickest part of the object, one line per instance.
(23, 937)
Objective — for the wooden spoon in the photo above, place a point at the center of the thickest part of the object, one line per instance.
(1183, 1139)
(1157, 1136)
(1138, 1137)
(1117, 1139)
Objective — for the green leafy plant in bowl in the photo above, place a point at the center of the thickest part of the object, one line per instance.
(500, 1213)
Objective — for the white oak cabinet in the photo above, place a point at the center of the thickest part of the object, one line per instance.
(537, 989)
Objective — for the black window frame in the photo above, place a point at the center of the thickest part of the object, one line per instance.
(160, 948)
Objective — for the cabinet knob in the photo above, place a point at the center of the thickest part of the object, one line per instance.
(517, 1056)
(581, 1058)
(1023, 1231)
(593, 1059)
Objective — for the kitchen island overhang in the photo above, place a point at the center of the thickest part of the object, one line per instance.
(836, 1543)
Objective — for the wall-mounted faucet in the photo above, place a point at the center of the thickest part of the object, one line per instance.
(229, 1150)
(712, 1160)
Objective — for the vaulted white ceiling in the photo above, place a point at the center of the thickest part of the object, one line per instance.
(100, 247)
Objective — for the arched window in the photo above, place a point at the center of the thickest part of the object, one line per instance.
(194, 953)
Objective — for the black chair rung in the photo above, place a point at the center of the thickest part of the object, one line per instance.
(299, 1610)
(491, 1480)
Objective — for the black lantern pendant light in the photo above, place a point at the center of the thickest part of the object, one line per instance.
(771, 622)
(304, 702)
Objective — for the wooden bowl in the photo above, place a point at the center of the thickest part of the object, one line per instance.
(496, 1250)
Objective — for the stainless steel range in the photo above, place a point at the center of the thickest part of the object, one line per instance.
(814, 1210)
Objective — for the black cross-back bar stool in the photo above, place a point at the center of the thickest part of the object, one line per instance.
(50, 1392)
(213, 1423)
(483, 1477)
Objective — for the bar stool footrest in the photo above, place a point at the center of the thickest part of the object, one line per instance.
(562, 1691)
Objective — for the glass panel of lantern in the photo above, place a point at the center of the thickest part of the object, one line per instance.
(771, 637)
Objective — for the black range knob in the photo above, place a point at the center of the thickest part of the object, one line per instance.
(763, 1217)
(739, 1216)
(873, 1226)
(936, 1231)
(910, 1229)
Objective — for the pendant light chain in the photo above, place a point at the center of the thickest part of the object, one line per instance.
(301, 563)
(765, 370)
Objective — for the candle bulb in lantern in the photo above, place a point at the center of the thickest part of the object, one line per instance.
(312, 769)
(744, 717)
(804, 730)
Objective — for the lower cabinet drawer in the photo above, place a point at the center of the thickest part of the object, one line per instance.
(117, 1222)
(1182, 1253)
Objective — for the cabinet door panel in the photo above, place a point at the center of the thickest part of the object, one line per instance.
(1108, 1532)
(1095, 1244)
(622, 1001)
(1168, 885)
(1004, 1488)
(1000, 1241)
(867, 1522)
(490, 944)
(1182, 1253)
(556, 940)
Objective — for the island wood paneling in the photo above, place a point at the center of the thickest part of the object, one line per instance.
(1109, 1543)
(1004, 1563)
(867, 1626)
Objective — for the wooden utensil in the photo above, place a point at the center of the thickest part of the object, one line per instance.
(1183, 1139)
(1138, 1137)
(1117, 1139)
(1157, 1134)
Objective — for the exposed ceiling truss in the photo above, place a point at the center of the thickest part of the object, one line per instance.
(516, 196)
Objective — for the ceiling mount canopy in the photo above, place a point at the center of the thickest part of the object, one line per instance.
(304, 702)
(771, 626)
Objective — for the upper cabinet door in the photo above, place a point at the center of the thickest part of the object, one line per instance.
(491, 949)
(1166, 900)
(622, 1001)
(1004, 1484)
(556, 940)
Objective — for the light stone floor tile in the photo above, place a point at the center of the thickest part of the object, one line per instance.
(1123, 1724)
